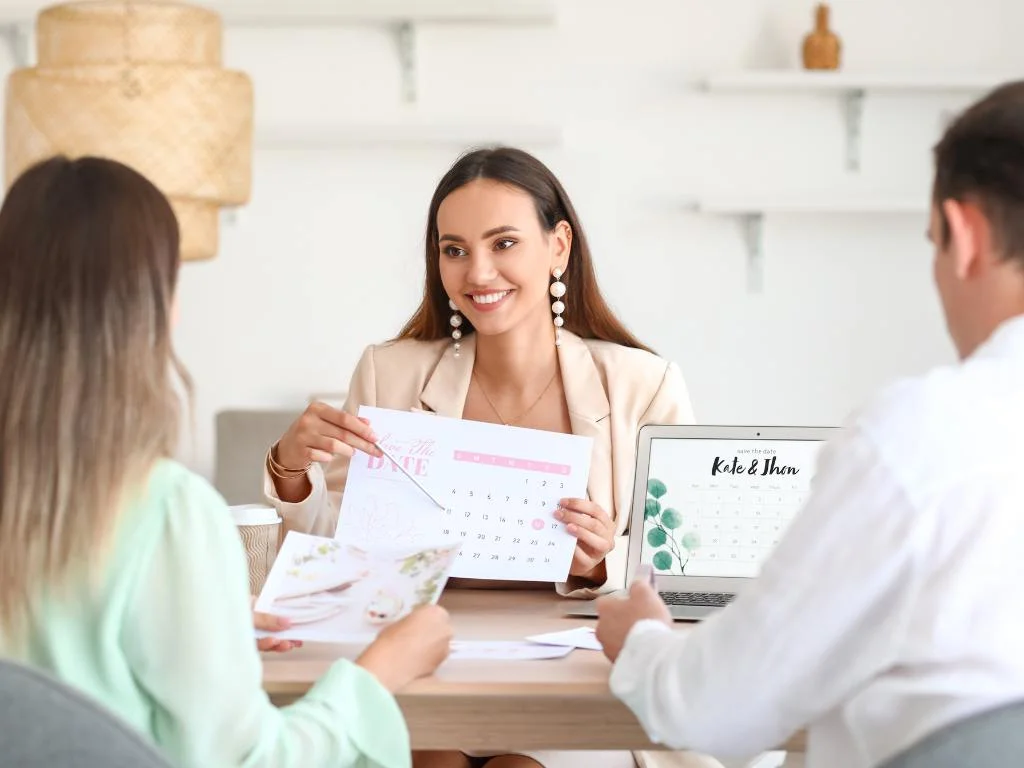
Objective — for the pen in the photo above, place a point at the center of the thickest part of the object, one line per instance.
(406, 473)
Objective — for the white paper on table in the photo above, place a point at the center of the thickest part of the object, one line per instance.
(580, 637)
(505, 650)
(499, 487)
(334, 592)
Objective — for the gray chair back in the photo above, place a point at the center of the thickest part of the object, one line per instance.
(243, 437)
(992, 739)
(46, 724)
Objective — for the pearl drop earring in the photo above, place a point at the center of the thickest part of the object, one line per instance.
(558, 306)
(455, 322)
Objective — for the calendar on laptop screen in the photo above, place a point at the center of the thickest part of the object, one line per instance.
(717, 507)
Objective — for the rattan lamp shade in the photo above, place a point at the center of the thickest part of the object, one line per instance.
(142, 83)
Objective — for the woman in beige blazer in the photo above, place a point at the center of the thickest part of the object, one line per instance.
(512, 329)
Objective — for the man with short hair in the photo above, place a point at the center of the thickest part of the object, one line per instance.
(891, 607)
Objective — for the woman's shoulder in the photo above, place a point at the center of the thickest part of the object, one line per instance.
(172, 504)
(172, 487)
(641, 382)
(392, 374)
(404, 355)
(637, 364)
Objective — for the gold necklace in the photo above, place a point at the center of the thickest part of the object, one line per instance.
(525, 413)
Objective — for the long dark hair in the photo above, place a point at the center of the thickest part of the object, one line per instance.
(587, 315)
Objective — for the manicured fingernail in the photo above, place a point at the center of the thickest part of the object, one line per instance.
(559, 515)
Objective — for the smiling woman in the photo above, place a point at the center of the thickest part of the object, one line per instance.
(512, 329)
(501, 224)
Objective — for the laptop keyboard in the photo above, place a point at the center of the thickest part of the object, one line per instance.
(712, 599)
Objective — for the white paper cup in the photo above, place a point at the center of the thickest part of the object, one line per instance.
(260, 529)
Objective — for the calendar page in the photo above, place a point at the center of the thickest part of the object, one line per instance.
(718, 507)
(498, 488)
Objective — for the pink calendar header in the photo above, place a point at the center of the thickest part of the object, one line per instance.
(511, 462)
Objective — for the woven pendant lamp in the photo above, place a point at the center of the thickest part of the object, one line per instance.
(142, 83)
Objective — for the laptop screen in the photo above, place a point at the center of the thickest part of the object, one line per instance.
(717, 507)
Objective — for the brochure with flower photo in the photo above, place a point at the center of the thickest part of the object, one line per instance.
(336, 593)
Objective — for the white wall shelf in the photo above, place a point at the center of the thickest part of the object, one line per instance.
(852, 88)
(281, 13)
(310, 12)
(410, 131)
(751, 213)
(402, 16)
(842, 81)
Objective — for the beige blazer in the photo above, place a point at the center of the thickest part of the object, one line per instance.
(611, 390)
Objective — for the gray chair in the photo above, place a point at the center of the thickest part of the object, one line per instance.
(243, 438)
(991, 739)
(46, 724)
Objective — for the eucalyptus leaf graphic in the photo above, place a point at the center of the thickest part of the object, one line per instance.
(662, 560)
(656, 537)
(691, 541)
(671, 519)
(662, 521)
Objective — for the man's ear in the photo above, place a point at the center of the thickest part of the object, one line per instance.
(970, 236)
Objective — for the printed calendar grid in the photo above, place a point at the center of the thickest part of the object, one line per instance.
(499, 486)
(513, 530)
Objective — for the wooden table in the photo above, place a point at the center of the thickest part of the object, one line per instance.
(483, 705)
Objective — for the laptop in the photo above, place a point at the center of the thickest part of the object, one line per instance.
(709, 505)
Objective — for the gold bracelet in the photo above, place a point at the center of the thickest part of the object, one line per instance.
(273, 468)
(286, 470)
(282, 472)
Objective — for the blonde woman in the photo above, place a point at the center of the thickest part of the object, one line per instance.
(121, 572)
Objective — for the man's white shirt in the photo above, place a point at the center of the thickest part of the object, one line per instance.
(890, 608)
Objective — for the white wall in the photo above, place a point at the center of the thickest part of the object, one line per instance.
(327, 257)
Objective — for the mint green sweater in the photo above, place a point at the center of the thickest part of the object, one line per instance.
(166, 642)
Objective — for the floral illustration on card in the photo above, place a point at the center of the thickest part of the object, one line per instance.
(436, 563)
(662, 527)
(331, 590)
(325, 551)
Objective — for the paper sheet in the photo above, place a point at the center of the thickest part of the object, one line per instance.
(337, 593)
(505, 650)
(580, 637)
(496, 488)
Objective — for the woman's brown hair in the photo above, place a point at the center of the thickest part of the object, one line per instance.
(587, 315)
(88, 265)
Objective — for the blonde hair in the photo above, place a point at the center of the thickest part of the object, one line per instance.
(88, 265)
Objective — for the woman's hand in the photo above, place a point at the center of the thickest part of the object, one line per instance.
(320, 434)
(270, 623)
(410, 648)
(594, 532)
